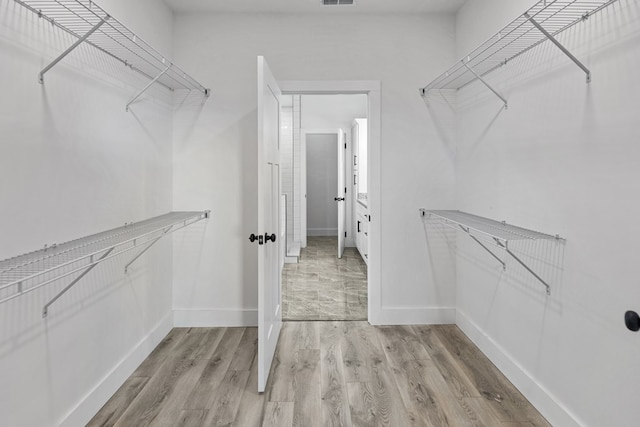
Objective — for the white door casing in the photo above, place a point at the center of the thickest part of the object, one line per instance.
(304, 134)
(342, 190)
(371, 88)
(269, 269)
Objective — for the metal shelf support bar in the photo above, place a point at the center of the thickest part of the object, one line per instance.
(70, 49)
(45, 309)
(164, 233)
(486, 84)
(18, 272)
(560, 46)
(151, 83)
(506, 248)
(500, 232)
(466, 230)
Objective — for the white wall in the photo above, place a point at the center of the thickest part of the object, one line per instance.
(73, 163)
(215, 160)
(332, 111)
(564, 158)
(322, 184)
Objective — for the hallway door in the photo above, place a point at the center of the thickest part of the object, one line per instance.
(269, 274)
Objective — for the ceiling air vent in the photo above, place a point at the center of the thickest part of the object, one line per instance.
(337, 2)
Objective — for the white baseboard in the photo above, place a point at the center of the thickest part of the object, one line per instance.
(209, 318)
(333, 232)
(414, 316)
(535, 392)
(293, 249)
(109, 384)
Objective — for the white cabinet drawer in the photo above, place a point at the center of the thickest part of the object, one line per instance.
(362, 236)
(364, 247)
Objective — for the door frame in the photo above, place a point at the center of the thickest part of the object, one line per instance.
(371, 88)
(303, 176)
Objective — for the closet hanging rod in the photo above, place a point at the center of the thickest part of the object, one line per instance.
(26, 273)
(543, 21)
(90, 24)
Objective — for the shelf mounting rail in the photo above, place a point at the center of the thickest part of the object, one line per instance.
(26, 273)
(498, 233)
(90, 24)
(543, 21)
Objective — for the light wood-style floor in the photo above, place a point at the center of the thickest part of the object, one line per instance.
(324, 374)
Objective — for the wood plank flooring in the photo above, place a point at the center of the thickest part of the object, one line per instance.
(323, 374)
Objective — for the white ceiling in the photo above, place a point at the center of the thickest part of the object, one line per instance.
(315, 6)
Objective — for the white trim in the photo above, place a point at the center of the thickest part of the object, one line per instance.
(326, 87)
(303, 186)
(322, 232)
(417, 316)
(215, 317)
(89, 406)
(372, 89)
(541, 398)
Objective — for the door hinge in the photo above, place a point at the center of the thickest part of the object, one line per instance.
(345, 190)
(345, 234)
(345, 145)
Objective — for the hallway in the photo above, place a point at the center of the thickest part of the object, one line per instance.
(323, 287)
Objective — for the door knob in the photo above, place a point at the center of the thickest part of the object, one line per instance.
(267, 237)
(632, 320)
(339, 199)
(253, 238)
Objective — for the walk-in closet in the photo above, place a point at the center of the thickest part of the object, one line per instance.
(319, 213)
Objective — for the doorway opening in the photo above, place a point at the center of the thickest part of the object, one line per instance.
(324, 163)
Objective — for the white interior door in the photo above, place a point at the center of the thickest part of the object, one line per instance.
(269, 274)
(342, 191)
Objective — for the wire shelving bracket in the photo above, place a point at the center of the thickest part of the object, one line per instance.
(90, 24)
(543, 21)
(498, 233)
(26, 273)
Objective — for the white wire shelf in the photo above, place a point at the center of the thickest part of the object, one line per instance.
(90, 24)
(489, 227)
(543, 21)
(499, 233)
(26, 273)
